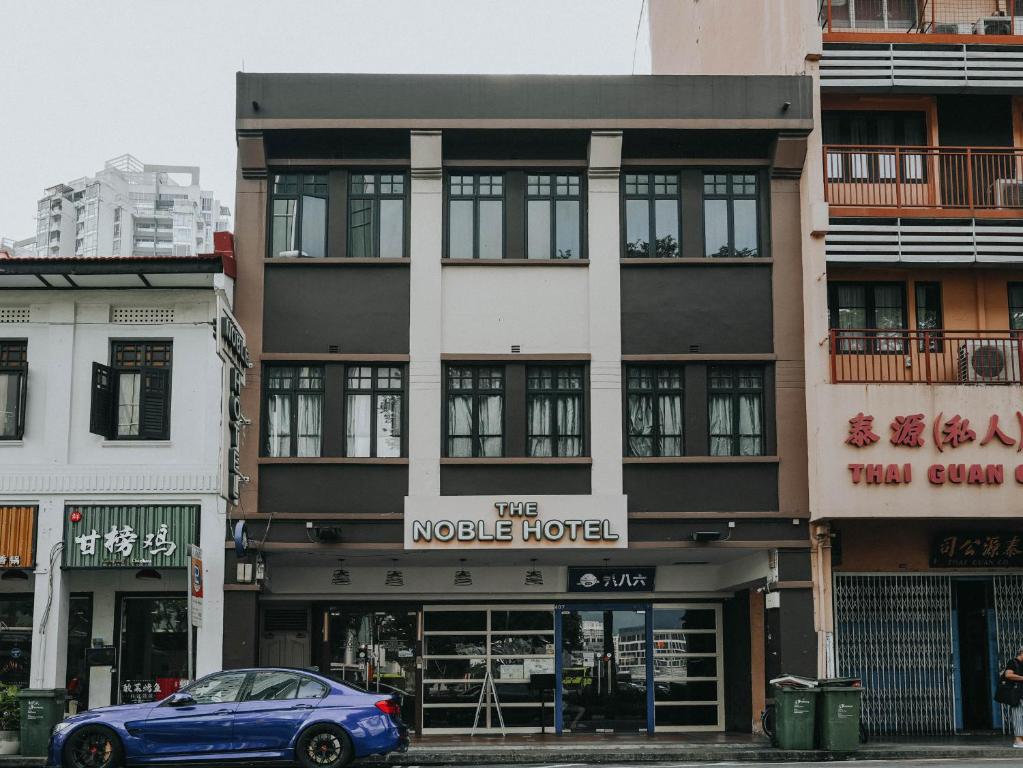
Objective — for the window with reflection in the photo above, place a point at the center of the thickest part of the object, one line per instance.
(298, 216)
(376, 215)
(928, 316)
(652, 211)
(294, 410)
(871, 316)
(554, 408)
(475, 216)
(475, 411)
(736, 410)
(654, 410)
(553, 216)
(731, 226)
(373, 410)
(13, 388)
(1016, 306)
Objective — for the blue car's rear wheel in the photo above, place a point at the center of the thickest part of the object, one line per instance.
(92, 747)
(324, 746)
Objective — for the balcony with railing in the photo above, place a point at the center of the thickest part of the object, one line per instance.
(990, 18)
(958, 182)
(899, 356)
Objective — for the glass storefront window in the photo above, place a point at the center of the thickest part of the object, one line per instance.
(15, 639)
(153, 653)
(687, 668)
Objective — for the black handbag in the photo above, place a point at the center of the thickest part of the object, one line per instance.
(1008, 692)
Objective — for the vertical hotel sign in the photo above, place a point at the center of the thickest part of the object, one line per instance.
(235, 354)
(17, 537)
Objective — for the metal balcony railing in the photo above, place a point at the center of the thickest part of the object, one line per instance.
(962, 178)
(899, 356)
(941, 17)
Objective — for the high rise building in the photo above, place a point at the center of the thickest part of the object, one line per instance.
(130, 209)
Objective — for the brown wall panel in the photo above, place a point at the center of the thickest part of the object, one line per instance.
(326, 488)
(729, 487)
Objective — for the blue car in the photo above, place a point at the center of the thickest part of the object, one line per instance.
(244, 715)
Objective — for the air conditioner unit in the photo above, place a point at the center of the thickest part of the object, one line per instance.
(953, 29)
(1008, 193)
(993, 25)
(989, 361)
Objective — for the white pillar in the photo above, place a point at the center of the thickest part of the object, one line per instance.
(426, 235)
(605, 312)
(50, 605)
(209, 651)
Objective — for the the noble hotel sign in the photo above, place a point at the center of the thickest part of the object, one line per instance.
(527, 522)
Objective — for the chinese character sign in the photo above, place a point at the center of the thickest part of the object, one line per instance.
(638, 579)
(978, 549)
(156, 536)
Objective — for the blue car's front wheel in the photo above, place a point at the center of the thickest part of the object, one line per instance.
(92, 747)
(323, 746)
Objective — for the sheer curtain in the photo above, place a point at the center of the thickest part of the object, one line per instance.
(128, 404)
(358, 417)
(460, 425)
(570, 442)
(749, 425)
(8, 404)
(310, 413)
(669, 411)
(491, 415)
(720, 425)
(539, 426)
(641, 425)
(278, 425)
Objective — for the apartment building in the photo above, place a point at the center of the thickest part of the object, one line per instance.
(130, 208)
(913, 355)
(115, 379)
(529, 392)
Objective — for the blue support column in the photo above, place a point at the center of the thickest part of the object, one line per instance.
(558, 667)
(650, 714)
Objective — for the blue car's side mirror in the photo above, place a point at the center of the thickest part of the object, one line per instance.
(180, 699)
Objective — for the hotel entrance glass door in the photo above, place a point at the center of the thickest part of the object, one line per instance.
(605, 669)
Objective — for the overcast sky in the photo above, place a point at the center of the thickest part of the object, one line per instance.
(83, 81)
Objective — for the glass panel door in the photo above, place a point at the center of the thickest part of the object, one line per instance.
(376, 650)
(688, 668)
(153, 652)
(604, 670)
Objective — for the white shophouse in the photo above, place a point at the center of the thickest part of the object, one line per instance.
(114, 444)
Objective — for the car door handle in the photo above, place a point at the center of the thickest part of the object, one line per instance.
(303, 706)
(223, 712)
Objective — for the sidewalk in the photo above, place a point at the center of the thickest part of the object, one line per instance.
(489, 750)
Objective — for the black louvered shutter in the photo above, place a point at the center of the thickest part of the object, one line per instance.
(101, 421)
(154, 405)
(22, 402)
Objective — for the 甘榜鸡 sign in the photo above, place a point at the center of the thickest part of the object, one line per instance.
(129, 536)
(488, 522)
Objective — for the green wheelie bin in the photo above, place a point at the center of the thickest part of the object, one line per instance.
(795, 716)
(838, 714)
(41, 709)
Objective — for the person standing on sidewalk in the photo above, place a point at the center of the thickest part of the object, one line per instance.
(1014, 673)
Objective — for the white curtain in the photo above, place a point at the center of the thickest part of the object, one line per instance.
(358, 417)
(669, 410)
(388, 425)
(570, 442)
(749, 425)
(128, 385)
(310, 408)
(539, 426)
(460, 426)
(641, 425)
(278, 425)
(8, 404)
(720, 425)
(491, 413)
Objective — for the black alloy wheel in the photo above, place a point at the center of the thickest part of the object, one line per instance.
(92, 747)
(324, 746)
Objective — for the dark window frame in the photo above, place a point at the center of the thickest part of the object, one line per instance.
(935, 338)
(372, 392)
(476, 392)
(476, 198)
(734, 393)
(651, 197)
(376, 197)
(555, 393)
(656, 435)
(730, 196)
(1014, 308)
(119, 365)
(872, 340)
(315, 180)
(293, 391)
(14, 362)
(553, 198)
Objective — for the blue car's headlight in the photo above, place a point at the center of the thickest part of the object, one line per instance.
(63, 725)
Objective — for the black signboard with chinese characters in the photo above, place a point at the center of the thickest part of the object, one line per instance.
(640, 579)
(978, 549)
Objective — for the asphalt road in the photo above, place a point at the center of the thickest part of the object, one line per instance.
(963, 763)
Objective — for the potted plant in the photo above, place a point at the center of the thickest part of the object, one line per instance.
(10, 721)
